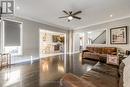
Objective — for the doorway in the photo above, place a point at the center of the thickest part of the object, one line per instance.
(51, 43)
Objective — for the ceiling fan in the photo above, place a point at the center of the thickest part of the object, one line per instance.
(70, 15)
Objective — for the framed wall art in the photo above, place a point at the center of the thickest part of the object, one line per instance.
(118, 35)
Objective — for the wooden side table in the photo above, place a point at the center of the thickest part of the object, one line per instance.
(5, 60)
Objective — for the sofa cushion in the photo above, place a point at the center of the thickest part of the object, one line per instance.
(86, 54)
(95, 50)
(106, 69)
(90, 49)
(99, 50)
(100, 79)
(91, 55)
(104, 50)
(111, 50)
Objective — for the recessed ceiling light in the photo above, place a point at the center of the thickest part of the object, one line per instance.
(111, 15)
(17, 8)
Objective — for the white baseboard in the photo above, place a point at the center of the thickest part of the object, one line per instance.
(24, 60)
(73, 52)
(49, 55)
(28, 59)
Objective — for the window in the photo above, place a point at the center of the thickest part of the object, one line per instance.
(13, 50)
(12, 37)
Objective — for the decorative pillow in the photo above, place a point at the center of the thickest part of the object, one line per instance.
(112, 59)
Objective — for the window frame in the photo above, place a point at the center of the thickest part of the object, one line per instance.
(3, 36)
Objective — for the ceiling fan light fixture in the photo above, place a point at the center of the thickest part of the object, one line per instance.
(70, 15)
(70, 18)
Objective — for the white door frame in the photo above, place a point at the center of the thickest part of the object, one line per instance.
(40, 29)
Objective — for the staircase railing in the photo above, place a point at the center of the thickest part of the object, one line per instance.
(99, 36)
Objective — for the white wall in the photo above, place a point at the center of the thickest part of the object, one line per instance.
(31, 36)
(0, 36)
(70, 41)
(108, 26)
(76, 43)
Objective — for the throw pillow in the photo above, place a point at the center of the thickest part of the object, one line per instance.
(112, 59)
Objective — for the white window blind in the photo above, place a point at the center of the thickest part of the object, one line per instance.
(12, 33)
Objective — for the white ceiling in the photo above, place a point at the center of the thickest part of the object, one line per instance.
(94, 11)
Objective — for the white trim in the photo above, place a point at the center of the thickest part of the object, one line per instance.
(21, 33)
(50, 31)
(116, 19)
(53, 54)
(68, 28)
(2, 38)
(65, 43)
(43, 22)
(72, 52)
(49, 55)
(24, 60)
(12, 20)
(1, 35)
(39, 58)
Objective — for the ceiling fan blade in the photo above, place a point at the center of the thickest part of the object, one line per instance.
(64, 17)
(78, 12)
(77, 17)
(65, 12)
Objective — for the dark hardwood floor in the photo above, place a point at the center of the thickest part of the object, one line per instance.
(44, 73)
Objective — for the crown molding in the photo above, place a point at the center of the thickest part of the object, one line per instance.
(116, 19)
(35, 19)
